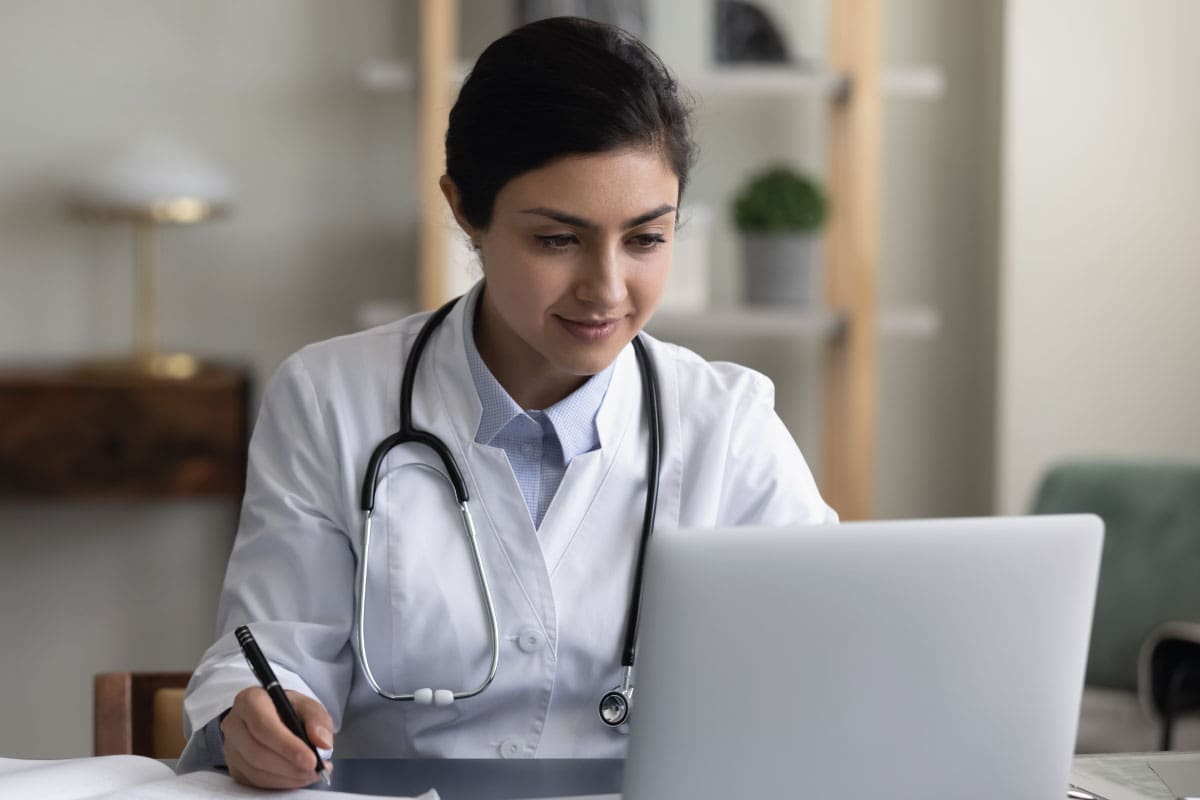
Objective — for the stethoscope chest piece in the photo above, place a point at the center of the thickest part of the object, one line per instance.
(615, 704)
(614, 707)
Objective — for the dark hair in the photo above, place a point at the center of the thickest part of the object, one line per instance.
(557, 87)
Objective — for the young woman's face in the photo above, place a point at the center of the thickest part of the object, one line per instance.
(575, 259)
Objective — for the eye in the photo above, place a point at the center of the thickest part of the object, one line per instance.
(558, 241)
(648, 241)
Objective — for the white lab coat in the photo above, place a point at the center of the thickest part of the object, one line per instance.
(561, 592)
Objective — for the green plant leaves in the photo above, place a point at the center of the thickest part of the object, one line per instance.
(780, 199)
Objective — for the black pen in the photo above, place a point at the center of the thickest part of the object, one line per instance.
(266, 676)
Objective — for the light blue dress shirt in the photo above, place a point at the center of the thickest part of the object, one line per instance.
(539, 443)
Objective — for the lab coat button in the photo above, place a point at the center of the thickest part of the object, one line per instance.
(530, 640)
(512, 748)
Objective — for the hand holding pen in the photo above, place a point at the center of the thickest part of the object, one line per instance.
(270, 734)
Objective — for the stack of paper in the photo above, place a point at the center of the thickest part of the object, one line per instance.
(132, 778)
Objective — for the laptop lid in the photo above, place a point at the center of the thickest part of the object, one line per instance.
(921, 659)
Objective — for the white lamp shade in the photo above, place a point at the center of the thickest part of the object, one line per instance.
(151, 175)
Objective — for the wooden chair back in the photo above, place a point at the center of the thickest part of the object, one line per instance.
(139, 713)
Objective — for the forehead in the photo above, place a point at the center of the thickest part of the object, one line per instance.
(617, 185)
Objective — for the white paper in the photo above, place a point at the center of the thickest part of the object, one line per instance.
(135, 778)
(201, 785)
(1124, 777)
(75, 778)
(1180, 774)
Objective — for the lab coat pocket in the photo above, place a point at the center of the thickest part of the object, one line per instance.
(438, 626)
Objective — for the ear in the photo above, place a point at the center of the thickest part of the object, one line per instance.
(454, 200)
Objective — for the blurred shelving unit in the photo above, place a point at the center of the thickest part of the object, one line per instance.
(853, 84)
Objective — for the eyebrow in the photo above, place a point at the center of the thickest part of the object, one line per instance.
(580, 222)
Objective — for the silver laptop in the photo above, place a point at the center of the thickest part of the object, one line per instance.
(916, 659)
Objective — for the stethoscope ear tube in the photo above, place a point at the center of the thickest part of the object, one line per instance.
(410, 435)
(407, 432)
(427, 696)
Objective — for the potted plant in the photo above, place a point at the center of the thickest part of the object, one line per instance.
(778, 214)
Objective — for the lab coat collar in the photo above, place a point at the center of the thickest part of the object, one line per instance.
(573, 417)
(459, 405)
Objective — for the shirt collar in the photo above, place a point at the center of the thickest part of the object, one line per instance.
(573, 417)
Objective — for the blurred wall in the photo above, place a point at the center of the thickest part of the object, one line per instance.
(1101, 247)
(326, 218)
(940, 227)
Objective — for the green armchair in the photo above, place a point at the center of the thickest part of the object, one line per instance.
(1149, 576)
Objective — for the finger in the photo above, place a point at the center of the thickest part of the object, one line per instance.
(250, 761)
(317, 722)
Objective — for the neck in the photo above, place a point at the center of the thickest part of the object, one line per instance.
(524, 373)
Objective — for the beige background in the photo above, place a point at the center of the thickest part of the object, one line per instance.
(1099, 331)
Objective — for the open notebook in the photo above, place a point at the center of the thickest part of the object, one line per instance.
(131, 778)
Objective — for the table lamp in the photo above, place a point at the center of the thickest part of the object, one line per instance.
(148, 183)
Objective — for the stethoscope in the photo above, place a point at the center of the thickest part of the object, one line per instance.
(615, 704)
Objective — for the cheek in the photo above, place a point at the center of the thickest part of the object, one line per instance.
(525, 286)
(652, 281)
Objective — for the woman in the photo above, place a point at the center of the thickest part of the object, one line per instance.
(566, 158)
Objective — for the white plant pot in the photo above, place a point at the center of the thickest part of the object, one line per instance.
(781, 269)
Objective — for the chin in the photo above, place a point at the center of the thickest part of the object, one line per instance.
(589, 364)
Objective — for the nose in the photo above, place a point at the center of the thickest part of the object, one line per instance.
(602, 279)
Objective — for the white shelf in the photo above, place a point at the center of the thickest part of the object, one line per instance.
(393, 76)
(924, 82)
(768, 322)
(916, 322)
(918, 82)
(749, 322)
(765, 81)
(396, 76)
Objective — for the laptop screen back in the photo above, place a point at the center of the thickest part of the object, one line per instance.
(938, 658)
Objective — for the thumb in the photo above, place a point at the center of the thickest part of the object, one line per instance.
(317, 722)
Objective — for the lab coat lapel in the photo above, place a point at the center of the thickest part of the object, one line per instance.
(588, 473)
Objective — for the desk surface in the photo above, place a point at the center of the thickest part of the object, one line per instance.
(499, 779)
(479, 779)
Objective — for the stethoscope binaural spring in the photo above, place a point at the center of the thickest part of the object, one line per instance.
(615, 705)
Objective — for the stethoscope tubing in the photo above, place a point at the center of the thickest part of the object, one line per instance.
(653, 459)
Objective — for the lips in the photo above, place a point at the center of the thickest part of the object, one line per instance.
(589, 330)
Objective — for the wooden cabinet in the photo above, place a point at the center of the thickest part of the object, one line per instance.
(74, 432)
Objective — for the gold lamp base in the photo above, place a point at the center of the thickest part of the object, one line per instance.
(146, 361)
